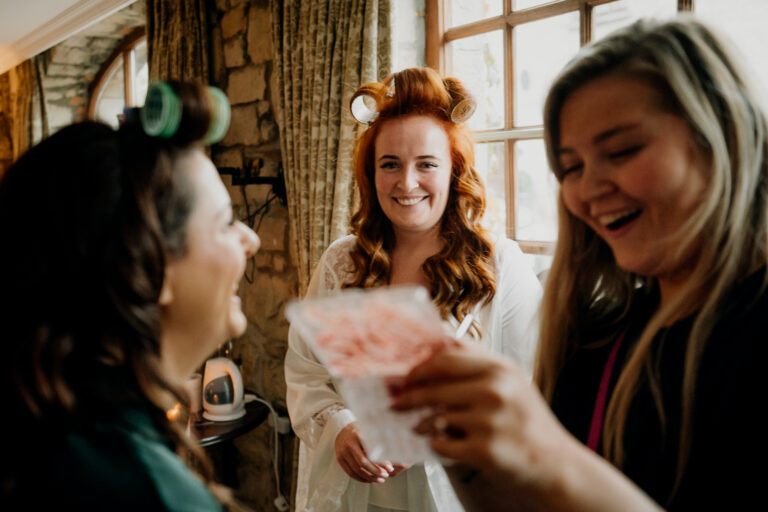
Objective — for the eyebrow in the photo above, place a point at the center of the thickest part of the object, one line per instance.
(225, 209)
(603, 136)
(420, 157)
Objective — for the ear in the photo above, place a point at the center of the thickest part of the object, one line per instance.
(166, 292)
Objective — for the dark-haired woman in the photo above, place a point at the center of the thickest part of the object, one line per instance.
(120, 266)
(421, 203)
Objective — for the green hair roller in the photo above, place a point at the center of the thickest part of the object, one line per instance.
(161, 113)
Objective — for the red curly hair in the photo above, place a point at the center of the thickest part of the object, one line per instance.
(461, 275)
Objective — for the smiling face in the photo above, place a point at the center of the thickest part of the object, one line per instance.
(630, 170)
(413, 173)
(201, 308)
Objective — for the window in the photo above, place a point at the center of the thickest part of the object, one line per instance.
(508, 51)
(122, 81)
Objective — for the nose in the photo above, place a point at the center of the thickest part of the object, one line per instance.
(594, 182)
(409, 179)
(249, 239)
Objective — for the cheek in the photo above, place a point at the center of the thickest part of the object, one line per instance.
(571, 200)
(383, 184)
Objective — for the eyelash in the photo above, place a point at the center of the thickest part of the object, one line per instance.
(625, 152)
(616, 155)
(395, 165)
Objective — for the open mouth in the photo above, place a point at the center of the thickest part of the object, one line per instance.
(621, 220)
(409, 201)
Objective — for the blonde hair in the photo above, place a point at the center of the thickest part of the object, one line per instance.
(587, 295)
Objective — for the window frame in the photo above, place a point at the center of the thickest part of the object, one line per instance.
(437, 39)
(125, 53)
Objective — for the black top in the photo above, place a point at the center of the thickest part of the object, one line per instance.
(728, 450)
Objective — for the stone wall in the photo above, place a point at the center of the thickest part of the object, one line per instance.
(72, 65)
(241, 42)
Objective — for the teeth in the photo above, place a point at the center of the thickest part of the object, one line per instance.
(607, 219)
(408, 201)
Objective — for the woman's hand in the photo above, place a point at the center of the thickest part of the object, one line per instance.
(354, 461)
(512, 453)
(489, 416)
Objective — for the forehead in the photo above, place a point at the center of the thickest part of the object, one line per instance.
(608, 101)
(209, 191)
(411, 133)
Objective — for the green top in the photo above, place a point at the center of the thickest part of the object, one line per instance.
(124, 464)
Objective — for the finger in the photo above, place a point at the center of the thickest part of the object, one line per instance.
(360, 457)
(480, 391)
(463, 450)
(353, 469)
(455, 363)
(457, 425)
(374, 469)
(386, 465)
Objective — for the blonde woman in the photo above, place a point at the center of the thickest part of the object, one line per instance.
(655, 312)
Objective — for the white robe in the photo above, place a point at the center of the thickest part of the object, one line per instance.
(509, 326)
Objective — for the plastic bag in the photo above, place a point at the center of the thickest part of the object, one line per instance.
(368, 339)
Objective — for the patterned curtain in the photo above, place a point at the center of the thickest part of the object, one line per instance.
(324, 49)
(177, 40)
(22, 111)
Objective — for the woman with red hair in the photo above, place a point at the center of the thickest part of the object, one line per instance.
(418, 223)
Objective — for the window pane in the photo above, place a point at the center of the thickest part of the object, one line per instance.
(518, 5)
(541, 49)
(489, 162)
(461, 12)
(112, 98)
(478, 62)
(535, 193)
(141, 80)
(743, 21)
(608, 17)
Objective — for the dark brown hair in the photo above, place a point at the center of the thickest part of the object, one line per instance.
(88, 219)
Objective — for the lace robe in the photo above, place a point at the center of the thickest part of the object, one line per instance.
(509, 326)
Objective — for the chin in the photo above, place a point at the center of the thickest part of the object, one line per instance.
(237, 324)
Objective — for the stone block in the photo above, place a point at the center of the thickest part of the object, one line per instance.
(263, 107)
(58, 70)
(76, 41)
(258, 194)
(268, 130)
(278, 264)
(263, 302)
(262, 259)
(272, 232)
(63, 82)
(234, 53)
(233, 22)
(247, 85)
(243, 127)
(259, 34)
(229, 158)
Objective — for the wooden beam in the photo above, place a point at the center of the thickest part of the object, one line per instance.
(434, 21)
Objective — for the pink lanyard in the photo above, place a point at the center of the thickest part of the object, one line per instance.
(602, 393)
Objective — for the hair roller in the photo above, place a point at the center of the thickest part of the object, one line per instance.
(463, 103)
(368, 96)
(161, 115)
(220, 116)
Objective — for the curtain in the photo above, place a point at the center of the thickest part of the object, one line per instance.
(177, 40)
(324, 50)
(23, 117)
